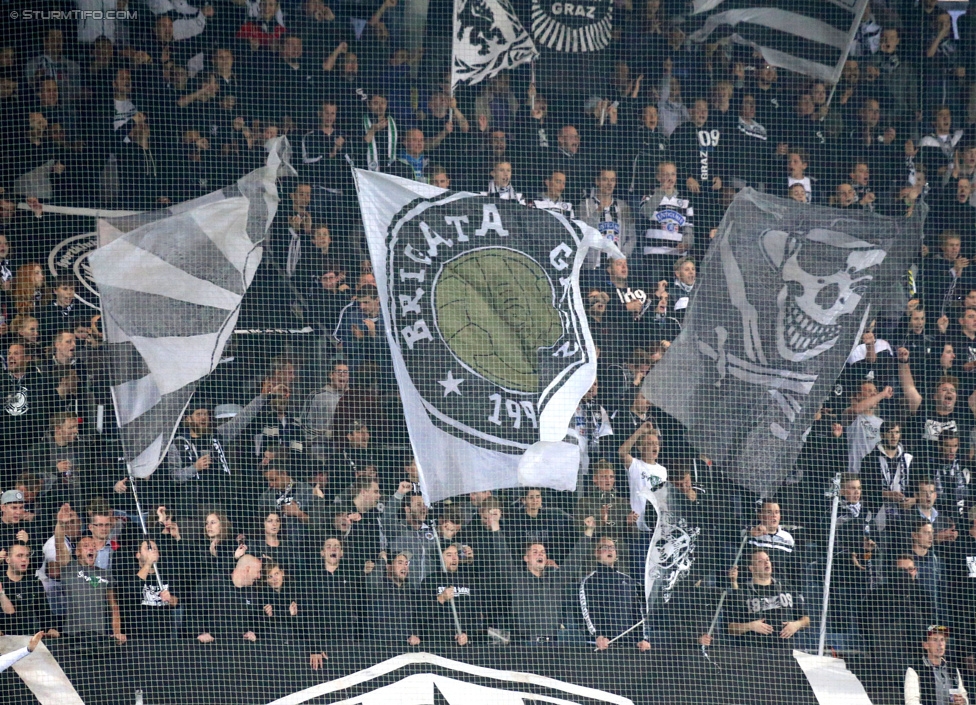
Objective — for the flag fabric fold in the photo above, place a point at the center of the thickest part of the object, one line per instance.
(170, 284)
(811, 37)
(785, 292)
(488, 38)
(487, 332)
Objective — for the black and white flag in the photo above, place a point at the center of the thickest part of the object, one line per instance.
(811, 37)
(572, 27)
(671, 553)
(488, 38)
(170, 284)
(786, 290)
(487, 331)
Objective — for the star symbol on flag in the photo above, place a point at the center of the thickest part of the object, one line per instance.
(451, 384)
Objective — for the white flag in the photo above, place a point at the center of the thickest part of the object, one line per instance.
(487, 331)
(170, 284)
(488, 38)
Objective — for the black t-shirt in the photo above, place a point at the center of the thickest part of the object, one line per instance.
(144, 613)
(959, 561)
(776, 603)
(699, 152)
(32, 613)
(467, 598)
(927, 426)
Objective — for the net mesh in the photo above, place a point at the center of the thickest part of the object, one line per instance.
(301, 304)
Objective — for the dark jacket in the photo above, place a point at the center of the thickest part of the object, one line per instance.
(609, 603)
(225, 611)
(393, 609)
(333, 605)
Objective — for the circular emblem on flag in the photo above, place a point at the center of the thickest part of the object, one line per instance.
(496, 289)
(482, 309)
(70, 256)
(572, 27)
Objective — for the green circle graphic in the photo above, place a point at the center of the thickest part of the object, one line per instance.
(494, 311)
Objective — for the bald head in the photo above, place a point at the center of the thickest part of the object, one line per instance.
(413, 142)
(247, 571)
(569, 139)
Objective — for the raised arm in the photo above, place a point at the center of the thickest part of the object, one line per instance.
(628, 445)
(499, 544)
(912, 398)
(462, 121)
(868, 403)
(233, 428)
(6, 606)
(62, 554)
(331, 59)
(378, 15)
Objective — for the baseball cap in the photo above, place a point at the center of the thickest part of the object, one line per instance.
(11, 496)
(936, 629)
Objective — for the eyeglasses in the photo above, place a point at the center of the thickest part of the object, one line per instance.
(102, 524)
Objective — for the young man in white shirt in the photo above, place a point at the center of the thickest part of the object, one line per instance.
(645, 473)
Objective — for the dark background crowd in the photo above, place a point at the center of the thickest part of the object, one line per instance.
(289, 507)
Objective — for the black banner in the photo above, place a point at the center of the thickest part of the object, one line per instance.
(189, 673)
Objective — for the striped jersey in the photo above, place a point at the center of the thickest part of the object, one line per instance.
(670, 218)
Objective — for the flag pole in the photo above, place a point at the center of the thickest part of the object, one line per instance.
(456, 27)
(532, 83)
(440, 553)
(725, 592)
(835, 491)
(847, 50)
(142, 520)
(624, 633)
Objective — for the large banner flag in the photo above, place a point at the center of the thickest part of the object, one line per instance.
(170, 284)
(786, 290)
(811, 37)
(488, 38)
(487, 332)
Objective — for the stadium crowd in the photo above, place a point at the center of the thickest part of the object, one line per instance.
(288, 507)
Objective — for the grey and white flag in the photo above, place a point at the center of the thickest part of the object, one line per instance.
(488, 38)
(785, 292)
(811, 37)
(170, 285)
(487, 332)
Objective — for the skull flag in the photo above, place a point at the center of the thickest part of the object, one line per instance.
(785, 292)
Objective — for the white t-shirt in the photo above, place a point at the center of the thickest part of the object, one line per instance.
(50, 556)
(644, 480)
